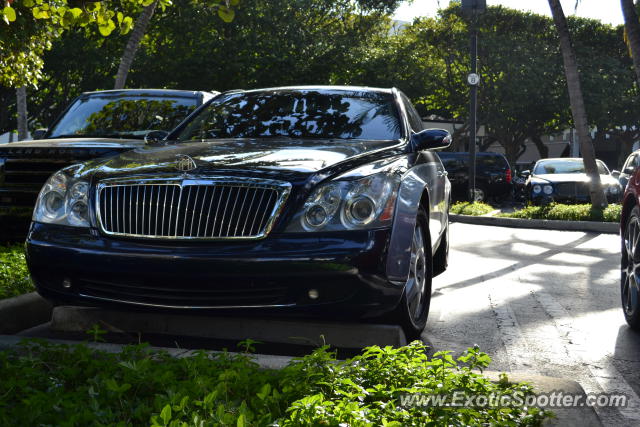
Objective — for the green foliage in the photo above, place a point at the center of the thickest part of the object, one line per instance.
(583, 212)
(49, 384)
(30, 26)
(473, 209)
(14, 276)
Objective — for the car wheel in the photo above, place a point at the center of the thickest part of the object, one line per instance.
(479, 194)
(630, 269)
(441, 257)
(413, 310)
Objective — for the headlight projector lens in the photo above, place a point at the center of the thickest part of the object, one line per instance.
(362, 210)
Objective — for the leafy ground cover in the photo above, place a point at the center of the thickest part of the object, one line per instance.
(559, 211)
(474, 209)
(14, 276)
(51, 384)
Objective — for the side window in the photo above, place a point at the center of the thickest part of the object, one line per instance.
(631, 162)
(414, 118)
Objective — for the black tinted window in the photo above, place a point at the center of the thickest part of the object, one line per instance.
(297, 114)
(490, 161)
(122, 116)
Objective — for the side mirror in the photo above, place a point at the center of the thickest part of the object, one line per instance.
(630, 170)
(431, 139)
(155, 136)
(615, 174)
(525, 173)
(39, 133)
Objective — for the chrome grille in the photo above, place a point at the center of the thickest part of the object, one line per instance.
(572, 189)
(190, 209)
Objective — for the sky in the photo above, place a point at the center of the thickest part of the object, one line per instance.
(607, 11)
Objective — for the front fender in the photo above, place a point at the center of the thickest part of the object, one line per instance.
(418, 181)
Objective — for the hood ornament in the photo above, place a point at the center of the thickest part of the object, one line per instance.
(185, 163)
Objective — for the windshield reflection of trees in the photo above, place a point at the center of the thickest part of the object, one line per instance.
(128, 116)
(357, 115)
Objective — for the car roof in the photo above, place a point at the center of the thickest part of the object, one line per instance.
(568, 159)
(152, 92)
(317, 87)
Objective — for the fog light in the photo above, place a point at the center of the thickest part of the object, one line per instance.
(313, 294)
(66, 283)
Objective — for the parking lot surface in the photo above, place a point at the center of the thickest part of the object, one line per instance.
(541, 301)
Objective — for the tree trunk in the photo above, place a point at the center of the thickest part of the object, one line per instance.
(21, 97)
(133, 44)
(632, 27)
(578, 110)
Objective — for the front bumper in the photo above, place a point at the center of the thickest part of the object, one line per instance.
(346, 270)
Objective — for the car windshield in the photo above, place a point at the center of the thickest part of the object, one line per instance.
(566, 166)
(297, 114)
(110, 116)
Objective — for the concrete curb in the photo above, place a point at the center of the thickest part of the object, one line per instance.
(284, 331)
(579, 416)
(566, 417)
(589, 226)
(23, 312)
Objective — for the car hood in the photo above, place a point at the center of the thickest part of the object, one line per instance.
(569, 177)
(64, 143)
(269, 157)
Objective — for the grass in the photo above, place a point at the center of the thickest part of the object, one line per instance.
(51, 384)
(14, 276)
(473, 209)
(562, 212)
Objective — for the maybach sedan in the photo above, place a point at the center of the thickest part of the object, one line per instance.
(303, 201)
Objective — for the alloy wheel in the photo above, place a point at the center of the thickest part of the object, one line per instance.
(630, 268)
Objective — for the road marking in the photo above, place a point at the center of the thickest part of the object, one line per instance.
(607, 376)
(510, 332)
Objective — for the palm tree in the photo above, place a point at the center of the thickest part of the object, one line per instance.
(632, 29)
(578, 111)
(133, 43)
(21, 105)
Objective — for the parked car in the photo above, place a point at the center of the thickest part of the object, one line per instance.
(630, 248)
(564, 180)
(95, 124)
(493, 175)
(304, 200)
(629, 166)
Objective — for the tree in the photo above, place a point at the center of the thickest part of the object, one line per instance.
(578, 110)
(222, 7)
(632, 27)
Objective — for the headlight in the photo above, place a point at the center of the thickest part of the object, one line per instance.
(613, 189)
(547, 189)
(63, 200)
(537, 189)
(349, 204)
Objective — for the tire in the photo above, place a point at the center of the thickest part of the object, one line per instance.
(630, 270)
(413, 309)
(480, 194)
(441, 257)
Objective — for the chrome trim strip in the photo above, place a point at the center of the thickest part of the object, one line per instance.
(192, 307)
(282, 189)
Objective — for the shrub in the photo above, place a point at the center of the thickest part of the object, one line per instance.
(14, 276)
(51, 384)
(558, 211)
(474, 209)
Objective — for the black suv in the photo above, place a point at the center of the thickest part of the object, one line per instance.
(493, 175)
(96, 124)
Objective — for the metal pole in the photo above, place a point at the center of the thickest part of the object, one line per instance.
(472, 112)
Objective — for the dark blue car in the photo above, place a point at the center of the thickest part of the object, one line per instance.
(324, 201)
